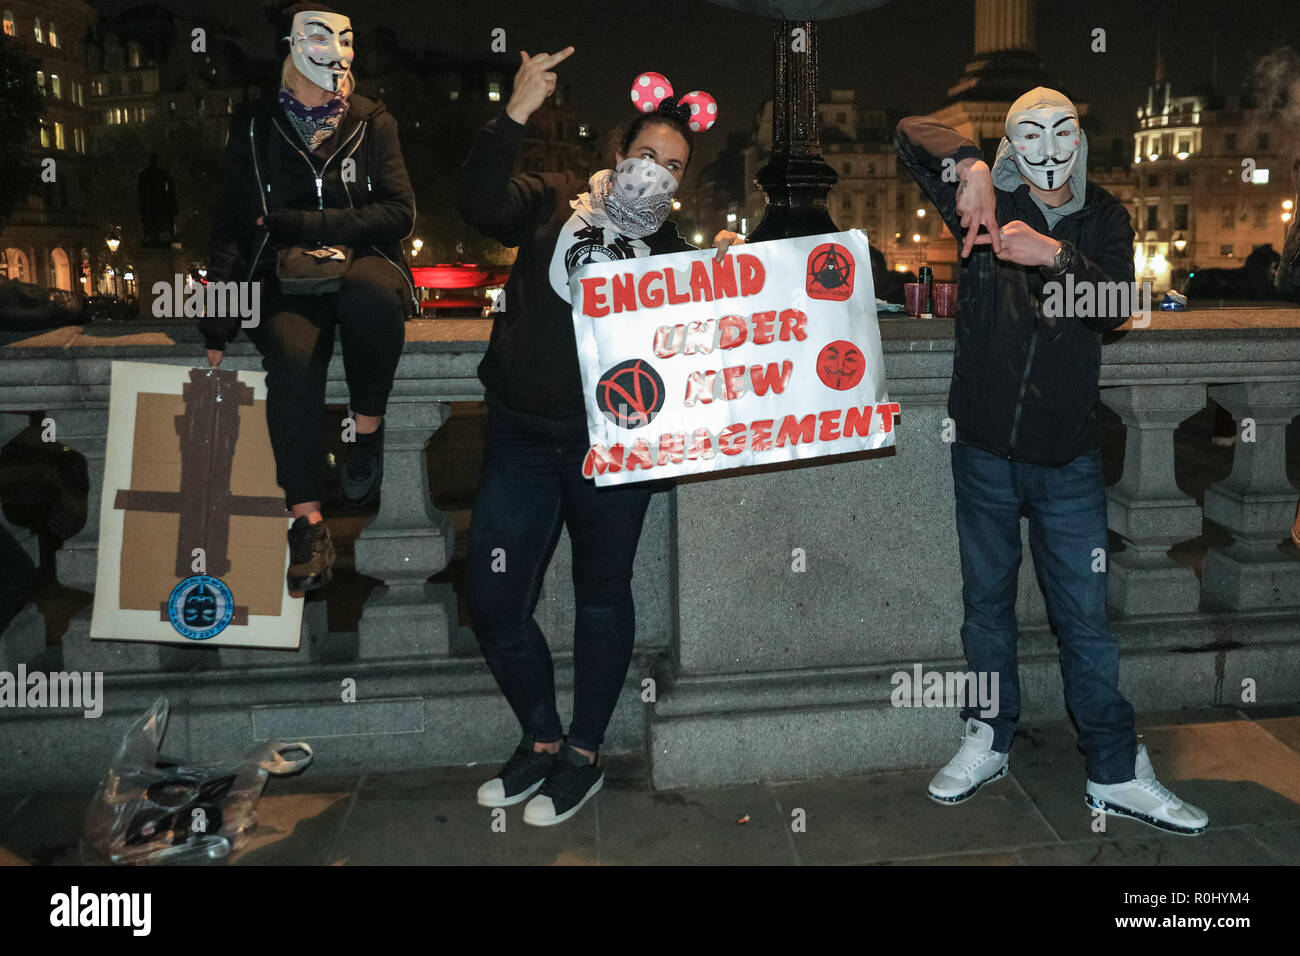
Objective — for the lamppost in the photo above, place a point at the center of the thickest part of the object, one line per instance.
(796, 178)
(416, 245)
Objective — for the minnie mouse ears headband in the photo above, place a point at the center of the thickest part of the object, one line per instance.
(651, 92)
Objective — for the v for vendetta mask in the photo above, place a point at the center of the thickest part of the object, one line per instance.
(321, 45)
(1043, 128)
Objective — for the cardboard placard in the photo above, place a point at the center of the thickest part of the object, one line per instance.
(192, 527)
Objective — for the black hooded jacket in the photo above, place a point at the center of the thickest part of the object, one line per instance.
(1024, 384)
(371, 211)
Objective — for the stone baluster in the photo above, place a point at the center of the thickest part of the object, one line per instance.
(408, 541)
(1146, 507)
(1255, 503)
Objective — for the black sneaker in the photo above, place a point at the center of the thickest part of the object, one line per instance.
(519, 779)
(363, 474)
(311, 555)
(572, 782)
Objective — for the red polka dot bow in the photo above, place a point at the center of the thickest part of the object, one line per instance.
(652, 92)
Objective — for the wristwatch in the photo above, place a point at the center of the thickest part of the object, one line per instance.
(1062, 260)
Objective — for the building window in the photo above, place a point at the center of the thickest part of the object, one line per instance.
(1225, 250)
(453, 95)
(45, 135)
(1261, 215)
(1184, 145)
(133, 55)
(1182, 179)
(115, 86)
(58, 136)
(1261, 141)
(1153, 216)
(135, 84)
(841, 117)
(1227, 219)
(1229, 142)
(54, 37)
(11, 28)
(171, 108)
(56, 86)
(1153, 180)
(1180, 215)
(38, 32)
(494, 90)
(848, 168)
(40, 81)
(230, 106)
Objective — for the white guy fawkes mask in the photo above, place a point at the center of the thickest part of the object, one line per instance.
(1043, 129)
(321, 45)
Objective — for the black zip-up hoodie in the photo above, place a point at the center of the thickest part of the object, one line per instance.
(307, 200)
(531, 362)
(1024, 385)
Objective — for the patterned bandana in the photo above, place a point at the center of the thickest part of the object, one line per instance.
(633, 200)
(315, 124)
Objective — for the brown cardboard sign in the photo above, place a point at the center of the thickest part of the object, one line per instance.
(192, 523)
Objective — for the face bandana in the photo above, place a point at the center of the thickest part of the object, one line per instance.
(321, 45)
(1043, 129)
(633, 200)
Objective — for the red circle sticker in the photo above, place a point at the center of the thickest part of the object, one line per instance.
(841, 365)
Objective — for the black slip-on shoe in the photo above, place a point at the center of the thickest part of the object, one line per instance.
(519, 779)
(573, 781)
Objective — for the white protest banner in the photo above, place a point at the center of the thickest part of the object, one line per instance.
(691, 365)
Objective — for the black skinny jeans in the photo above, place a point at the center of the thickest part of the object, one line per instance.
(296, 339)
(531, 486)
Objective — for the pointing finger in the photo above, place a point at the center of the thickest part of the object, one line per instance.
(551, 59)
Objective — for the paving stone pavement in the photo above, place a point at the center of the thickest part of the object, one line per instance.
(1243, 767)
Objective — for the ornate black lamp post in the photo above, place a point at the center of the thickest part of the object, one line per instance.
(796, 178)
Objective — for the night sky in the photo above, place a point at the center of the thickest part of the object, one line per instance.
(903, 55)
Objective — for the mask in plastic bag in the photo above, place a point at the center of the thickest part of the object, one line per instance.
(153, 809)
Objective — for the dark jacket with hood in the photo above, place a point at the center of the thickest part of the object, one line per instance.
(531, 362)
(1024, 384)
(304, 197)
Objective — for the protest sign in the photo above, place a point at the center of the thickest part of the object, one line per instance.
(693, 365)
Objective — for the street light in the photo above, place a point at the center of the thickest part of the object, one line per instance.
(1180, 243)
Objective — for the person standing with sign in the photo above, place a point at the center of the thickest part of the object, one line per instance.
(532, 484)
(1024, 393)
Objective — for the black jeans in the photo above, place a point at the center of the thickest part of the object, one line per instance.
(296, 339)
(531, 485)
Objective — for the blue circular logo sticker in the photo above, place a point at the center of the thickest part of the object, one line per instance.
(200, 607)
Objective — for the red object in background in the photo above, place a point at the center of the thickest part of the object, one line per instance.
(945, 299)
(459, 276)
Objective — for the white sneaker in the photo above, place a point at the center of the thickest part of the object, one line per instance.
(1145, 798)
(976, 764)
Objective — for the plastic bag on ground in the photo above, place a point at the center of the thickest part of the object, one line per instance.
(153, 809)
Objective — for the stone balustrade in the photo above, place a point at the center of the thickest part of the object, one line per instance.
(762, 670)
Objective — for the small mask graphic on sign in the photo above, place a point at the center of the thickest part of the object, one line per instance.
(830, 272)
(840, 365)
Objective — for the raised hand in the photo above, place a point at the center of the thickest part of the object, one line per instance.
(534, 83)
(977, 205)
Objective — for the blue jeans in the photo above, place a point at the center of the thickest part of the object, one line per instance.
(531, 486)
(1067, 523)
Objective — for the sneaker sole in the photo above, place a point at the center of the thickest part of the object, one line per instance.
(571, 811)
(517, 798)
(963, 797)
(1117, 811)
(303, 585)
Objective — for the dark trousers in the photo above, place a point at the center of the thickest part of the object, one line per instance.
(531, 486)
(296, 339)
(1067, 524)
